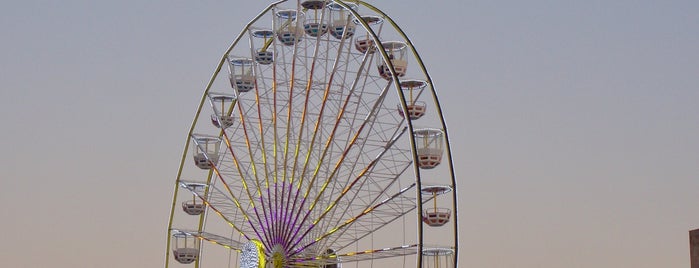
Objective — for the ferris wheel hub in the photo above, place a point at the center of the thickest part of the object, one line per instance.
(278, 256)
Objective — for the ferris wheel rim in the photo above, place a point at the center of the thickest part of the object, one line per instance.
(380, 44)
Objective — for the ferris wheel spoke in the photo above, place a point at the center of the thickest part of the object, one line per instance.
(341, 195)
(246, 187)
(243, 122)
(223, 205)
(269, 207)
(339, 118)
(278, 197)
(389, 207)
(276, 146)
(367, 121)
(371, 254)
(259, 140)
(291, 78)
(398, 168)
(314, 135)
(214, 238)
(309, 86)
(328, 147)
(377, 218)
(393, 207)
(361, 84)
(239, 206)
(382, 184)
(261, 127)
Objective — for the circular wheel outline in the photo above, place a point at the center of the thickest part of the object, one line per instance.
(403, 104)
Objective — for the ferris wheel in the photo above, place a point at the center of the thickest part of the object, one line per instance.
(319, 142)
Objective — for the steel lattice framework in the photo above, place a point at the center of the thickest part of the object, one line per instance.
(305, 141)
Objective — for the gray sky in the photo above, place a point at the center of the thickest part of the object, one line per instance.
(574, 125)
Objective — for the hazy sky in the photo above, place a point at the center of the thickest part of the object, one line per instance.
(574, 125)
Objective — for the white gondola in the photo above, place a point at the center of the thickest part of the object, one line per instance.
(191, 207)
(342, 28)
(341, 25)
(287, 29)
(205, 150)
(185, 248)
(264, 55)
(222, 121)
(430, 147)
(438, 258)
(290, 35)
(315, 28)
(436, 216)
(396, 52)
(316, 25)
(221, 104)
(314, 4)
(415, 110)
(413, 88)
(241, 74)
(194, 207)
(365, 43)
